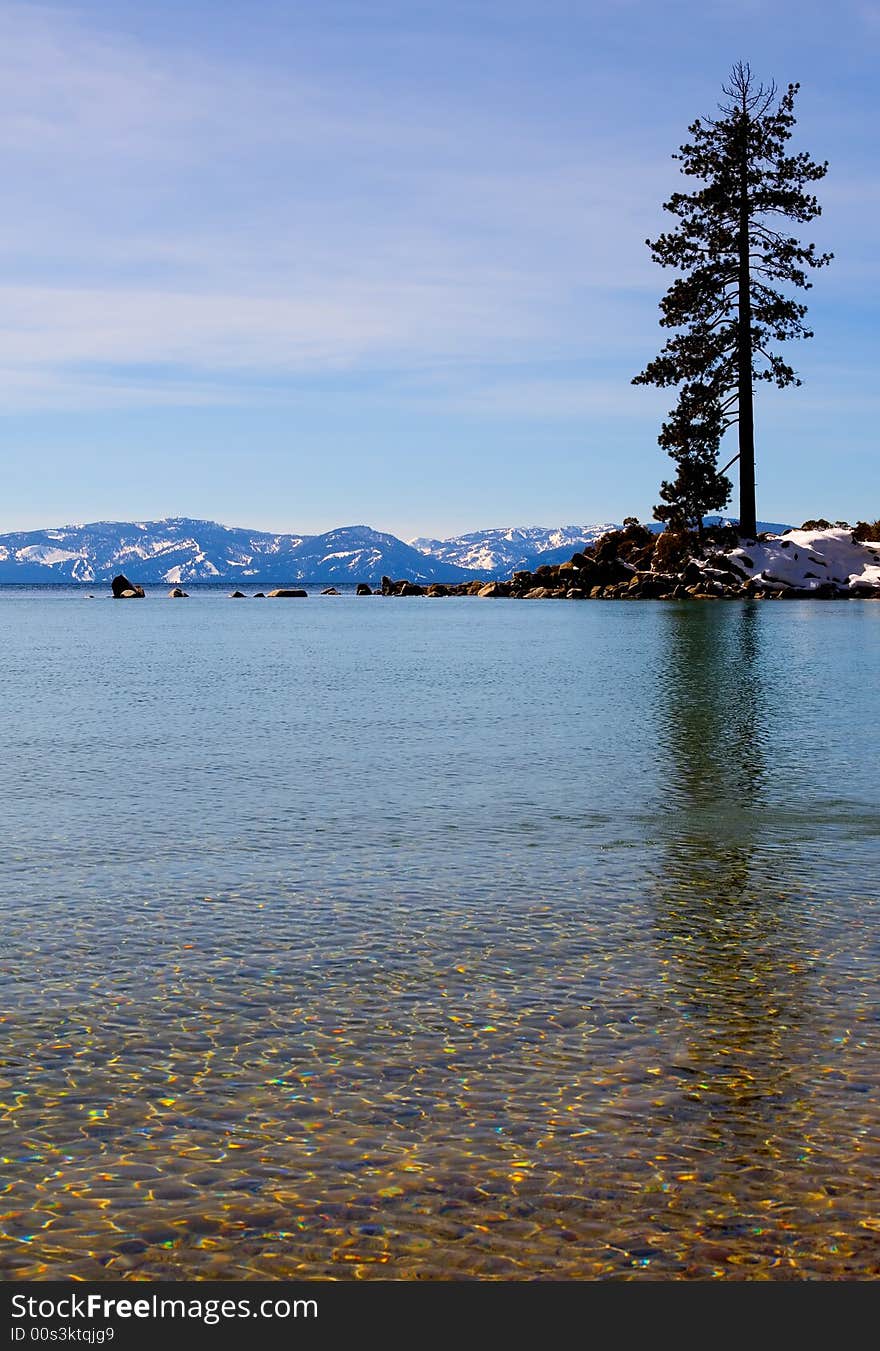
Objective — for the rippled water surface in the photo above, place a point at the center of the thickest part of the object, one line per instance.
(431, 939)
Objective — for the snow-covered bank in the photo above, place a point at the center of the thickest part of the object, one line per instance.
(810, 560)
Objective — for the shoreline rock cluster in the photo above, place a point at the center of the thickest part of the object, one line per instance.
(817, 562)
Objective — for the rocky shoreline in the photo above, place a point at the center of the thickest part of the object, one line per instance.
(817, 562)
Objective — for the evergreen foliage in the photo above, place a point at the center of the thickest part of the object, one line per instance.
(726, 306)
(691, 436)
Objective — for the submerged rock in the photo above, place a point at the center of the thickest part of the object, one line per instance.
(237, 595)
(177, 594)
(331, 591)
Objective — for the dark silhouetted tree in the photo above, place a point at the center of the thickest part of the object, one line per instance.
(691, 436)
(726, 305)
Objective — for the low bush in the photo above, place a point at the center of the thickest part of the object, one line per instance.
(673, 549)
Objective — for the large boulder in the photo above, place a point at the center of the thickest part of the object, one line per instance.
(330, 591)
(400, 587)
(692, 573)
(610, 571)
(285, 591)
(177, 594)
(123, 589)
(363, 589)
(237, 595)
(652, 584)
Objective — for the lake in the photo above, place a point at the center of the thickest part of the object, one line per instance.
(405, 938)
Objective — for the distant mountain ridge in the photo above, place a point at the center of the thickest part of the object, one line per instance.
(504, 549)
(499, 551)
(180, 549)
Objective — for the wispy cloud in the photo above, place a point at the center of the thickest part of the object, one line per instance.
(179, 226)
(167, 211)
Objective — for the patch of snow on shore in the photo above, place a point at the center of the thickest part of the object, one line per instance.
(808, 559)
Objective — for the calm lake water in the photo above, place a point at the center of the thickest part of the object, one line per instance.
(439, 938)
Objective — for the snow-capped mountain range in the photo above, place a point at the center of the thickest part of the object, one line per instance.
(182, 550)
(505, 549)
(179, 550)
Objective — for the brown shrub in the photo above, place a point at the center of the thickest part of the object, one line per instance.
(673, 549)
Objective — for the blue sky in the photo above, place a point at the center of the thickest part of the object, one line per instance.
(297, 265)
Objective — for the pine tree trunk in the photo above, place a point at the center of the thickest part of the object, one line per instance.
(747, 511)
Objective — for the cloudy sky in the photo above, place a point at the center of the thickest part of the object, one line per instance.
(302, 263)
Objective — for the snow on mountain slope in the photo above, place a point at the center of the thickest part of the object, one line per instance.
(503, 549)
(42, 553)
(181, 550)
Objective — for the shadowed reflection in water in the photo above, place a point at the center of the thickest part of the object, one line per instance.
(749, 1149)
(713, 703)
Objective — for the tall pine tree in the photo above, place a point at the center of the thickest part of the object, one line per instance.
(725, 305)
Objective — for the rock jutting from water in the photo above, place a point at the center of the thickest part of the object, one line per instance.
(123, 589)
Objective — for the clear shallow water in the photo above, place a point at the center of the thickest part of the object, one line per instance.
(429, 939)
